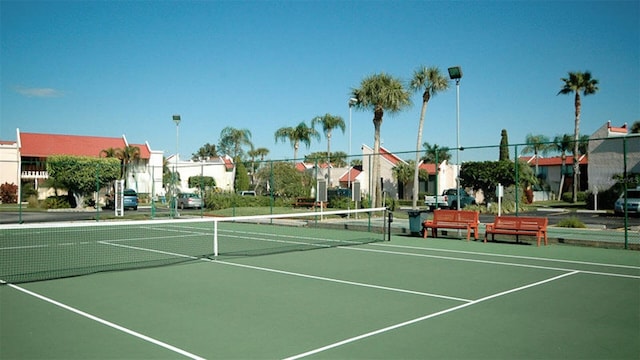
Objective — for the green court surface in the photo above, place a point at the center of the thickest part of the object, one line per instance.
(408, 298)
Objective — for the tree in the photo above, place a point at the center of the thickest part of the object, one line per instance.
(111, 153)
(207, 151)
(562, 143)
(338, 158)
(329, 123)
(536, 144)
(253, 153)
(284, 180)
(129, 154)
(403, 173)
(379, 93)
(430, 81)
(430, 152)
(242, 178)
(485, 176)
(635, 127)
(296, 135)
(232, 140)
(82, 175)
(504, 145)
(575, 83)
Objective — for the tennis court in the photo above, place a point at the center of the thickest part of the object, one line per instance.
(355, 295)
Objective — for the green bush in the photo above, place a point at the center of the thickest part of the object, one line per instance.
(568, 196)
(571, 222)
(56, 202)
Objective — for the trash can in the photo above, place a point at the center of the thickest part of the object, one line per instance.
(416, 218)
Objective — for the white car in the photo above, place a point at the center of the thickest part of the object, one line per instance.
(189, 200)
(633, 202)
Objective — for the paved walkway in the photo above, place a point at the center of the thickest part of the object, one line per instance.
(587, 237)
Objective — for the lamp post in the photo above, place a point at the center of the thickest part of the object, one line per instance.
(176, 119)
(455, 73)
(352, 102)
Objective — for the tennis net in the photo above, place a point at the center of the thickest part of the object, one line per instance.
(35, 252)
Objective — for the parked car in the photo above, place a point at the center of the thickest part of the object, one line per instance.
(129, 200)
(449, 200)
(189, 200)
(633, 202)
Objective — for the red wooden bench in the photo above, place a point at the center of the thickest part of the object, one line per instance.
(452, 219)
(518, 225)
(309, 203)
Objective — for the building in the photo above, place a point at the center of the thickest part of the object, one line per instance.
(24, 162)
(609, 147)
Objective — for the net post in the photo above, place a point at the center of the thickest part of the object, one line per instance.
(215, 238)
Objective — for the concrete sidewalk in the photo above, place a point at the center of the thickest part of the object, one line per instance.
(585, 237)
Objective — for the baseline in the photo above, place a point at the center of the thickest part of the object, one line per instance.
(426, 317)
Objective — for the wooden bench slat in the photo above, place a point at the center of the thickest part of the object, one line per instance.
(515, 225)
(452, 219)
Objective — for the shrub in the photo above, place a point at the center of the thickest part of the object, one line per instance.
(571, 222)
(56, 202)
(568, 196)
(8, 193)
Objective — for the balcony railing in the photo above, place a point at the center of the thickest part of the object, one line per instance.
(34, 175)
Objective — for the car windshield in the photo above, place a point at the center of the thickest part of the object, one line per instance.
(633, 194)
(195, 196)
(129, 193)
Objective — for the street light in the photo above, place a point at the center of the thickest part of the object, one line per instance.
(176, 119)
(455, 73)
(352, 102)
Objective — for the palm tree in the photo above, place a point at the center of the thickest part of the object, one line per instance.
(536, 144)
(379, 92)
(329, 122)
(296, 135)
(430, 81)
(129, 155)
(112, 153)
(253, 154)
(563, 144)
(430, 152)
(574, 84)
(232, 140)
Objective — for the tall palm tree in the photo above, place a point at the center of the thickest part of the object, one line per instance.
(379, 92)
(575, 83)
(232, 140)
(296, 135)
(536, 144)
(329, 123)
(430, 81)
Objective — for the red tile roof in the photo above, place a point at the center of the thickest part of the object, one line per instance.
(354, 174)
(554, 161)
(44, 145)
(429, 168)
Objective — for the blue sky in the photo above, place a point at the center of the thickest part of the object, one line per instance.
(125, 67)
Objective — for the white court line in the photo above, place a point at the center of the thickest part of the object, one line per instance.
(413, 321)
(339, 281)
(108, 323)
(510, 256)
(491, 262)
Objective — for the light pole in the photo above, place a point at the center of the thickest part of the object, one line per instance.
(455, 73)
(352, 101)
(176, 119)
